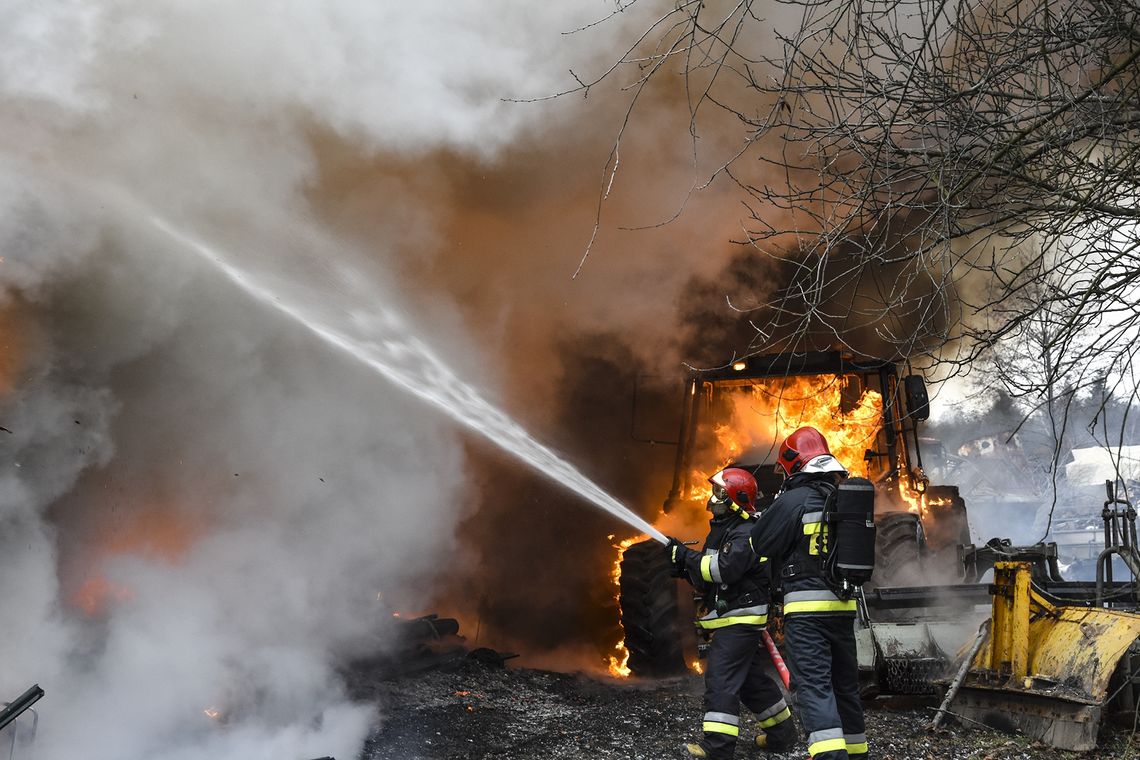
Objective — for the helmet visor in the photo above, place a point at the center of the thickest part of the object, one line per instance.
(719, 492)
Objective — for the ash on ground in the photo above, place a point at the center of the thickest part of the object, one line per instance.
(475, 709)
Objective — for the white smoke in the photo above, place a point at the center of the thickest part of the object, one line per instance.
(201, 503)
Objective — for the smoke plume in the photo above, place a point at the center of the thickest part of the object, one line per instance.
(208, 511)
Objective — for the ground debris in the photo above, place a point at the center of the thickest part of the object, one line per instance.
(477, 712)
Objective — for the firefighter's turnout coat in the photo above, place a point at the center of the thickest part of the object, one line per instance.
(818, 625)
(735, 585)
(733, 581)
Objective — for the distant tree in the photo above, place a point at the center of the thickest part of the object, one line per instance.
(961, 178)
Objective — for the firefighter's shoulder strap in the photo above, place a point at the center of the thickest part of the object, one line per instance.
(807, 560)
(827, 490)
(844, 543)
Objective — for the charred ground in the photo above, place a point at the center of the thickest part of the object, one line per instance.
(476, 710)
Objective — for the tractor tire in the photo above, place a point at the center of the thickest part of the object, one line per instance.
(899, 549)
(650, 613)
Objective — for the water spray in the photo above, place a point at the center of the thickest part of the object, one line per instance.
(383, 343)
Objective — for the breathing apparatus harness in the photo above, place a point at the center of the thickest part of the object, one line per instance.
(844, 545)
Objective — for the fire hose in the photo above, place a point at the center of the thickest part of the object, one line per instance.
(777, 660)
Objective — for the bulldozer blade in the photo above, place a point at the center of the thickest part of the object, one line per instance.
(1045, 666)
(1056, 722)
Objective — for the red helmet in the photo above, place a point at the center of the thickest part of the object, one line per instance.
(802, 446)
(736, 486)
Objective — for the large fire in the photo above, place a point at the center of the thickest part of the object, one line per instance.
(765, 413)
(759, 417)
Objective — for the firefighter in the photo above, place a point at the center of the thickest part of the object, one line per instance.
(735, 585)
(819, 626)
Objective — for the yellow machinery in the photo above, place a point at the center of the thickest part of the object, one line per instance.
(1045, 666)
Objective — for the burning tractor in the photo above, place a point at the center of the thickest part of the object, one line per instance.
(1049, 656)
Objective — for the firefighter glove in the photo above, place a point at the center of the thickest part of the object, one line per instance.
(677, 551)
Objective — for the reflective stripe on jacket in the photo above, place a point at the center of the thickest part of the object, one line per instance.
(733, 581)
(791, 531)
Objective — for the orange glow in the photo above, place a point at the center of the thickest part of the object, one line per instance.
(212, 712)
(14, 346)
(97, 594)
(154, 533)
(163, 535)
(697, 666)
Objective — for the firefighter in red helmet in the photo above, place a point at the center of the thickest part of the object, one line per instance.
(735, 586)
(819, 635)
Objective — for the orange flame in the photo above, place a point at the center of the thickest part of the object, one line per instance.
(766, 412)
(912, 499)
(618, 665)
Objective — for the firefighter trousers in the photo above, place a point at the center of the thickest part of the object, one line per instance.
(825, 679)
(735, 673)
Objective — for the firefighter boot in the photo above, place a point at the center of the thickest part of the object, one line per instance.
(781, 737)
